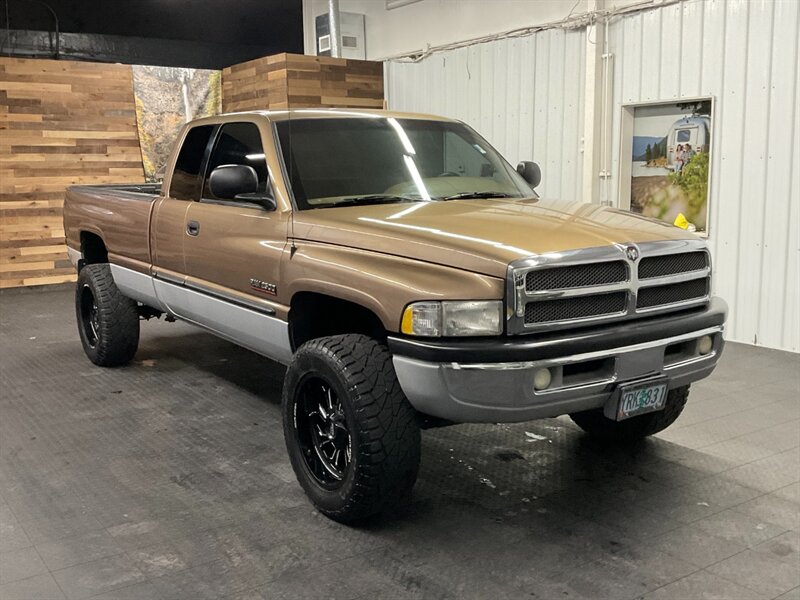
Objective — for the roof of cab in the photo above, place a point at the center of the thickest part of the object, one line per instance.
(324, 113)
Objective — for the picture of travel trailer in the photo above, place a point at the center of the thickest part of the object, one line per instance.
(694, 130)
(667, 182)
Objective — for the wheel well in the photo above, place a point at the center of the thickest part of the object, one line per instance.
(93, 249)
(313, 315)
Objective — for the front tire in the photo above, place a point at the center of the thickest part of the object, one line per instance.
(631, 430)
(353, 439)
(108, 321)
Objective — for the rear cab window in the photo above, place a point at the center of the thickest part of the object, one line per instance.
(185, 183)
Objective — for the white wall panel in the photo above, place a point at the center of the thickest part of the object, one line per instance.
(744, 53)
(525, 95)
(431, 23)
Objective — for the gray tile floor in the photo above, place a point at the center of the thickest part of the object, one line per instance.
(168, 479)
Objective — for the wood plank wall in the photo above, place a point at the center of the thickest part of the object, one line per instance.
(300, 81)
(61, 123)
(69, 122)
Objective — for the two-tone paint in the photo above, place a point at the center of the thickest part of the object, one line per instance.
(380, 257)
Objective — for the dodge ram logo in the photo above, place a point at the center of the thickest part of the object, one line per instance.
(632, 252)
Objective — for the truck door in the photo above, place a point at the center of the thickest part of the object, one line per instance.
(169, 216)
(233, 250)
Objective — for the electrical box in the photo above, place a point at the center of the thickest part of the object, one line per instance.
(353, 35)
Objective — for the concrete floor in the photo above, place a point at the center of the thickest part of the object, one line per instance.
(169, 479)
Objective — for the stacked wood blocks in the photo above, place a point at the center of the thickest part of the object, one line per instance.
(61, 123)
(299, 81)
(68, 122)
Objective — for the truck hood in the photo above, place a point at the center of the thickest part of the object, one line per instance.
(481, 236)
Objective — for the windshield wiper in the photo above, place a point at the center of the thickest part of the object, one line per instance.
(466, 195)
(371, 199)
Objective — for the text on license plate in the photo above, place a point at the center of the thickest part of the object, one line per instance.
(640, 400)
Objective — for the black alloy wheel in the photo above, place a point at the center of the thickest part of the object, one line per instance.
(108, 321)
(322, 432)
(90, 316)
(352, 436)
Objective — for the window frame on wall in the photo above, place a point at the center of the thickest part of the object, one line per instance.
(625, 150)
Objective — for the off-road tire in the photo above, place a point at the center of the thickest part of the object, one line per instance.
(383, 426)
(597, 425)
(117, 322)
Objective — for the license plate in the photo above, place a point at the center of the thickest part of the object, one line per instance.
(639, 399)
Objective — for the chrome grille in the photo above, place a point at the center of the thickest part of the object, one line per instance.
(611, 283)
(580, 307)
(671, 264)
(670, 294)
(576, 276)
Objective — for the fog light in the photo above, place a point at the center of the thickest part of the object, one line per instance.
(704, 344)
(541, 379)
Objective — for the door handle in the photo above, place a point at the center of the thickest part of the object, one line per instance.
(193, 228)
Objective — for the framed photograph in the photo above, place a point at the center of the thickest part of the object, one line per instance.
(665, 165)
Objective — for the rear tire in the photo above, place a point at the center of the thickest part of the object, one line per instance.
(597, 425)
(108, 322)
(352, 436)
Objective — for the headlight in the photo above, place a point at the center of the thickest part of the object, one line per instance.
(453, 318)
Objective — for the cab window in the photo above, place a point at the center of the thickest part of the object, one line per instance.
(238, 144)
(185, 182)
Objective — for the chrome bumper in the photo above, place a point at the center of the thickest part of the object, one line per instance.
(504, 391)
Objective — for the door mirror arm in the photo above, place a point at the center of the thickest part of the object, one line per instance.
(264, 200)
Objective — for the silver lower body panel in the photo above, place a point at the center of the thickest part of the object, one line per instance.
(249, 328)
(74, 256)
(138, 286)
(256, 331)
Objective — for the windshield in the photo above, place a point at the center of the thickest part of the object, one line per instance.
(367, 160)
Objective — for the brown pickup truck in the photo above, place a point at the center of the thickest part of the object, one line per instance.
(408, 276)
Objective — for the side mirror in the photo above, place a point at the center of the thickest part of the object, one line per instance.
(239, 182)
(530, 172)
(227, 181)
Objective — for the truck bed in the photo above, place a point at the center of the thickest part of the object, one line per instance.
(118, 213)
(149, 189)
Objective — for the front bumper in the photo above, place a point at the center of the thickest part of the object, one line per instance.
(492, 380)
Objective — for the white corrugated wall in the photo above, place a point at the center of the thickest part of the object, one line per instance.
(744, 53)
(525, 95)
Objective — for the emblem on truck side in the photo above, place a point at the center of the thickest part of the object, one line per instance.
(632, 252)
(263, 286)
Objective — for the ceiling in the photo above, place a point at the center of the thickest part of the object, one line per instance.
(263, 26)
